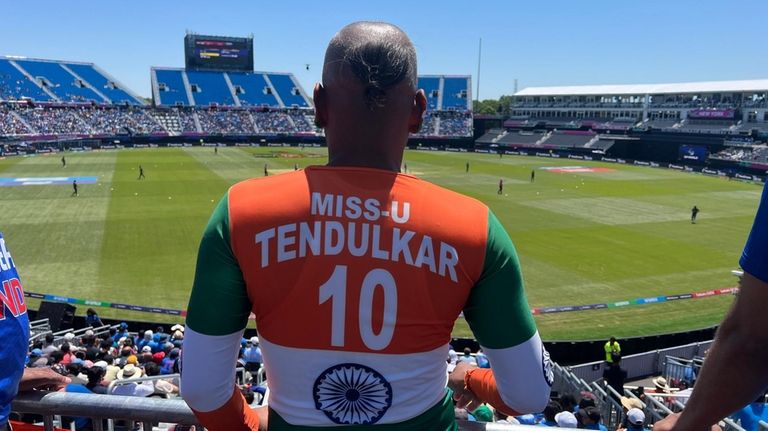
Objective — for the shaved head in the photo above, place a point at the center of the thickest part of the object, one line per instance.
(379, 55)
(368, 102)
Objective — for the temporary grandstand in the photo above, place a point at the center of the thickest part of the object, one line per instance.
(694, 106)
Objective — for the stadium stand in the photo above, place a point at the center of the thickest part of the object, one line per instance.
(569, 139)
(15, 85)
(71, 98)
(520, 139)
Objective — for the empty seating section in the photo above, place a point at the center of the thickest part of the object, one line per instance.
(569, 139)
(59, 81)
(254, 90)
(209, 88)
(431, 87)
(522, 139)
(14, 85)
(288, 90)
(455, 93)
(230, 122)
(102, 84)
(171, 87)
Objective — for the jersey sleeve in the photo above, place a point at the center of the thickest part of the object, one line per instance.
(754, 258)
(216, 317)
(497, 311)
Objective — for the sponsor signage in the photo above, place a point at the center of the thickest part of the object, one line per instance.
(712, 113)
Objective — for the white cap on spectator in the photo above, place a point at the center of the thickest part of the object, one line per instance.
(146, 349)
(100, 364)
(254, 340)
(148, 333)
(69, 336)
(177, 327)
(636, 417)
(566, 419)
(89, 333)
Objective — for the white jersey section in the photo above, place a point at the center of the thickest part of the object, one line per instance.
(417, 380)
(521, 374)
(208, 369)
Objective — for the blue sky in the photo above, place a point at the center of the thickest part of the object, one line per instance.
(539, 42)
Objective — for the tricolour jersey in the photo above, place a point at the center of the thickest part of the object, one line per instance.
(356, 277)
(14, 331)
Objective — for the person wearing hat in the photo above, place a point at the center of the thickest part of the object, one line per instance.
(566, 419)
(661, 386)
(591, 419)
(635, 420)
(133, 389)
(736, 368)
(252, 355)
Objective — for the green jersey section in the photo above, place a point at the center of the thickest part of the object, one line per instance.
(497, 310)
(219, 304)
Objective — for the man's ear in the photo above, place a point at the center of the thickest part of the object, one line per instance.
(321, 110)
(417, 111)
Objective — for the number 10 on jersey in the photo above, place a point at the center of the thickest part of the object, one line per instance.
(335, 290)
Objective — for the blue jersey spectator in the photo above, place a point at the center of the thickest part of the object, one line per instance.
(14, 332)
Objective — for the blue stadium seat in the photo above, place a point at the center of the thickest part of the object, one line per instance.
(62, 83)
(255, 89)
(288, 91)
(431, 86)
(103, 84)
(212, 88)
(455, 93)
(174, 92)
(15, 85)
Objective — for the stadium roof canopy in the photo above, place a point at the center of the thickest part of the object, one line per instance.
(757, 85)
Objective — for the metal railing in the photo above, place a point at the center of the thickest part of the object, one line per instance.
(641, 364)
(103, 407)
(148, 411)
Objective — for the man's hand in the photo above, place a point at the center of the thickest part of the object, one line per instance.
(42, 379)
(464, 398)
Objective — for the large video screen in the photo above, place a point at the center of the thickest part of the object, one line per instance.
(218, 53)
(695, 153)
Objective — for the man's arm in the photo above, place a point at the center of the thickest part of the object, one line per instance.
(735, 370)
(497, 311)
(216, 317)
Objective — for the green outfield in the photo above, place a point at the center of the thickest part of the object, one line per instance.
(586, 237)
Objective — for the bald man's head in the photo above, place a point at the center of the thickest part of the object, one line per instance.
(379, 55)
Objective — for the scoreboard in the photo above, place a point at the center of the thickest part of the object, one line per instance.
(218, 53)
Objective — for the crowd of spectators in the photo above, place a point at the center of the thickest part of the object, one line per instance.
(53, 121)
(119, 120)
(273, 122)
(453, 123)
(303, 121)
(234, 122)
(10, 124)
(93, 361)
(756, 154)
